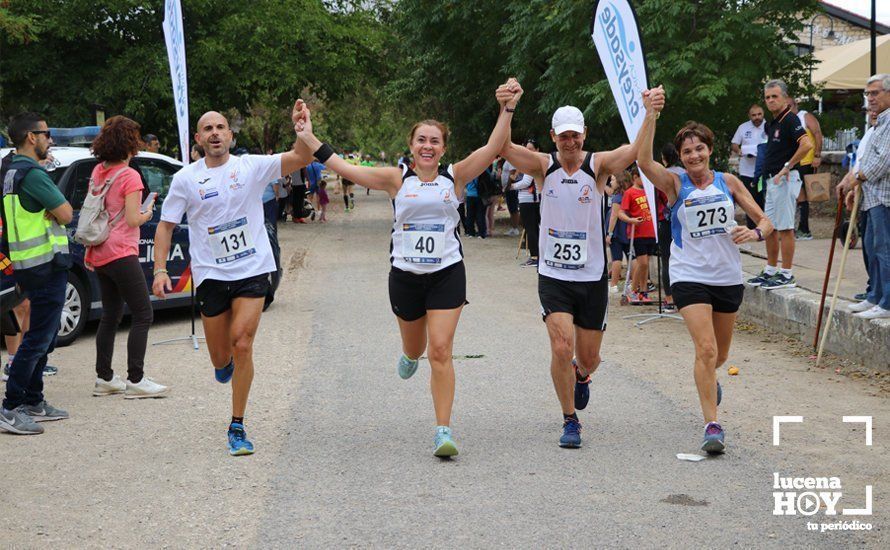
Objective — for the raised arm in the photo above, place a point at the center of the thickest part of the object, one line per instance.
(525, 160)
(660, 176)
(386, 178)
(615, 161)
(508, 95)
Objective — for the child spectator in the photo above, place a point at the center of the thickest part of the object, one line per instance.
(635, 211)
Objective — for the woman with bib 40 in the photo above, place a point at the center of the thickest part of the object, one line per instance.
(427, 283)
(706, 266)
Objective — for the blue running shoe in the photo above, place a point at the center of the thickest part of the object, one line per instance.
(407, 367)
(582, 388)
(224, 374)
(713, 441)
(571, 434)
(445, 446)
(719, 393)
(238, 442)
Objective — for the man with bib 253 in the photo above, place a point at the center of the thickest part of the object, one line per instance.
(572, 282)
(231, 257)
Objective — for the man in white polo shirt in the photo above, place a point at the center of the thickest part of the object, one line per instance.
(231, 257)
(747, 137)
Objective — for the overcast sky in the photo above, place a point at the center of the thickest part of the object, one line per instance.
(863, 8)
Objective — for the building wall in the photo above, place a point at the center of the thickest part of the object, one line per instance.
(844, 32)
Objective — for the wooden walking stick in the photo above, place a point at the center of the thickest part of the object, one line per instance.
(840, 272)
(837, 226)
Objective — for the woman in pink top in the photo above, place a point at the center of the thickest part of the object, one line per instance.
(116, 261)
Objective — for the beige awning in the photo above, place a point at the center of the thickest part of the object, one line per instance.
(847, 67)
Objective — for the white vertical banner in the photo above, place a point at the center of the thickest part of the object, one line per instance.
(175, 40)
(616, 36)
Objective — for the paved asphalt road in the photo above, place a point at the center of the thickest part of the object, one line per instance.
(344, 446)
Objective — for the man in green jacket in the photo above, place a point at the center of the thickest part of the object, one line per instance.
(34, 212)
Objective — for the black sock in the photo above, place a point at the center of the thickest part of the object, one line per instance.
(573, 416)
(238, 420)
(346, 200)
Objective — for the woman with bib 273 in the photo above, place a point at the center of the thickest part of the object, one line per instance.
(706, 266)
(427, 283)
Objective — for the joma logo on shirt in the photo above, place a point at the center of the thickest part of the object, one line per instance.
(569, 181)
(429, 184)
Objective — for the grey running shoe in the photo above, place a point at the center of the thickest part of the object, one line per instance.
(17, 422)
(778, 281)
(50, 370)
(43, 412)
(759, 279)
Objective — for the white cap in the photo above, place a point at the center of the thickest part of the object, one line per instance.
(568, 119)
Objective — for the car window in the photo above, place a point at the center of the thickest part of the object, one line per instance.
(80, 182)
(158, 175)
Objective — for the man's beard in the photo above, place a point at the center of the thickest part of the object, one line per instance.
(41, 155)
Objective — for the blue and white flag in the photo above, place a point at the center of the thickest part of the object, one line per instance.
(175, 40)
(616, 35)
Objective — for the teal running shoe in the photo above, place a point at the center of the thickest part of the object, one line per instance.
(713, 442)
(445, 446)
(224, 374)
(407, 367)
(238, 442)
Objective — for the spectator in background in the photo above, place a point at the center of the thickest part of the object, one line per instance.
(787, 143)
(616, 238)
(116, 262)
(323, 201)
(529, 209)
(35, 212)
(845, 185)
(152, 145)
(671, 160)
(298, 195)
(635, 212)
(314, 177)
(808, 165)
(747, 137)
(197, 153)
(873, 175)
(475, 221)
(509, 176)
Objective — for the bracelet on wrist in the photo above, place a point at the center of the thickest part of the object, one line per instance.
(323, 153)
(159, 271)
(759, 233)
(510, 110)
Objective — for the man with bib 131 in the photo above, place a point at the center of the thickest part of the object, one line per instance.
(573, 284)
(231, 257)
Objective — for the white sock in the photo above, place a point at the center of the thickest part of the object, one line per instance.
(786, 272)
(770, 270)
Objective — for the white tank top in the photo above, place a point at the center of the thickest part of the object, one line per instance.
(425, 218)
(572, 237)
(702, 250)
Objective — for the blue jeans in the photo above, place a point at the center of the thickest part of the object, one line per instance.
(877, 242)
(25, 384)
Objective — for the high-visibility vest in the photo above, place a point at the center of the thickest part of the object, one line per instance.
(36, 244)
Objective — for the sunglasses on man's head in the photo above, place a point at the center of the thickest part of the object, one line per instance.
(47, 132)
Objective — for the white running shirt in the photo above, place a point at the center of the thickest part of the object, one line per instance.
(528, 194)
(748, 137)
(702, 250)
(227, 233)
(572, 237)
(425, 219)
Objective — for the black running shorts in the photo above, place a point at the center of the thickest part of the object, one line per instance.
(645, 246)
(215, 297)
(587, 302)
(411, 295)
(723, 299)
